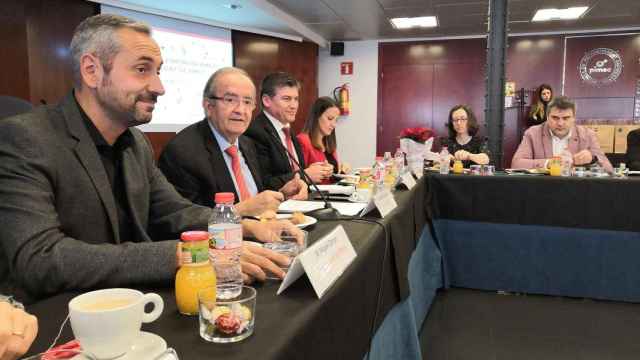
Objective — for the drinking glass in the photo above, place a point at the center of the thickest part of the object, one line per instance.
(289, 247)
(227, 320)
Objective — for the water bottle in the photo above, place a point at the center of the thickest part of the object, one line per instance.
(444, 161)
(387, 158)
(398, 159)
(225, 246)
(378, 174)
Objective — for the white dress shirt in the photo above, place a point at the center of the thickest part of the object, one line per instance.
(559, 144)
(278, 125)
(223, 144)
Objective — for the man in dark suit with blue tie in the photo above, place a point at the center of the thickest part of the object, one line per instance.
(213, 156)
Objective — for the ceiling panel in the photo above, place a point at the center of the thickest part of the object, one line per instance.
(369, 19)
(388, 4)
(366, 17)
(337, 31)
(409, 12)
(307, 11)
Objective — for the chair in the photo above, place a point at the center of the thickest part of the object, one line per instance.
(10, 106)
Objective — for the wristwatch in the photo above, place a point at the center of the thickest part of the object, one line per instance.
(13, 302)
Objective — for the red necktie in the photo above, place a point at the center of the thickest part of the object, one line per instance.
(237, 172)
(287, 138)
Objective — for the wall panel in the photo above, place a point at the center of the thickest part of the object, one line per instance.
(459, 77)
(48, 45)
(260, 55)
(13, 50)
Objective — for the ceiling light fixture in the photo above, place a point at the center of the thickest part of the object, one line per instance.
(559, 14)
(406, 23)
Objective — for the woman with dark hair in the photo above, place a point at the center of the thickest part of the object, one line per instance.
(538, 113)
(463, 143)
(318, 137)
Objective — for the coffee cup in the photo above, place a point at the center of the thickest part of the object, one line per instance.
(107, 322)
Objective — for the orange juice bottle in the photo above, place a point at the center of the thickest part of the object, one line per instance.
(196, 273)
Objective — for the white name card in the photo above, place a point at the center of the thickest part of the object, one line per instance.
(408, 180)
(324, 262)
(385, 202)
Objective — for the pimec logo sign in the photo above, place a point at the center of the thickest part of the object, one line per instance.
(601, 66)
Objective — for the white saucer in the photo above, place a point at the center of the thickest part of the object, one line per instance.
(308, 220)
(146, 347)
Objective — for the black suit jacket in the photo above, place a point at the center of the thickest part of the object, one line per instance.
(58, 218)
(274, 161)
(633, 150)
(193, 163)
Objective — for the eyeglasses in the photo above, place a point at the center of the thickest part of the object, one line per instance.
(459, 120)
(234, 100)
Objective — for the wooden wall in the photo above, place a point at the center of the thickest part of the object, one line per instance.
(34, 53)
(609, 103)
(420, 81)
(260, 55)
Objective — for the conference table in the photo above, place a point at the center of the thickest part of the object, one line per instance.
(298, 325)
(577, 237)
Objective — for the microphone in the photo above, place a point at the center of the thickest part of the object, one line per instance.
(326, 213)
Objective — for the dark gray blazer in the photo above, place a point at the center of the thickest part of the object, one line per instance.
(274, 162)
(193, 163)
(58, 220)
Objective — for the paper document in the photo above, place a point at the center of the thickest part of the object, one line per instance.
(337, 189)
(345, 208)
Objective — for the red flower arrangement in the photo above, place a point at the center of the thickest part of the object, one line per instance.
(419, 134)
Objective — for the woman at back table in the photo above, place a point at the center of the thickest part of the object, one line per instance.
(318, 137)
(538, 113)
(463, 142)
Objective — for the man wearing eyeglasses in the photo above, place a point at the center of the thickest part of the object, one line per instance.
(213, 156)
(279, 94)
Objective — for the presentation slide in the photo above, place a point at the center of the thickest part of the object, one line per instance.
(191, 53)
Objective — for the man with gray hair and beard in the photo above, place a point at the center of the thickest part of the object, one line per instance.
(82, 204)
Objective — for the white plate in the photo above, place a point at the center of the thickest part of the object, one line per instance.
(146, 347)
(308, 220)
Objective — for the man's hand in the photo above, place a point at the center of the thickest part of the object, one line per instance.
(270, 231)
(319, 171)
(256, 205)
(295, 189)
(255, 260)
(583, 157)
(17, 331)
(462, 155)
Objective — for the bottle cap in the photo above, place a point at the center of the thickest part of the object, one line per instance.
(224, 197)
(194, 236)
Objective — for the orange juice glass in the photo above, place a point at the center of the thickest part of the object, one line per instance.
(555, 166)
(457, 167)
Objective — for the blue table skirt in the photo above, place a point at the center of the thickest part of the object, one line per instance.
(600, 264)
(398, 335)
